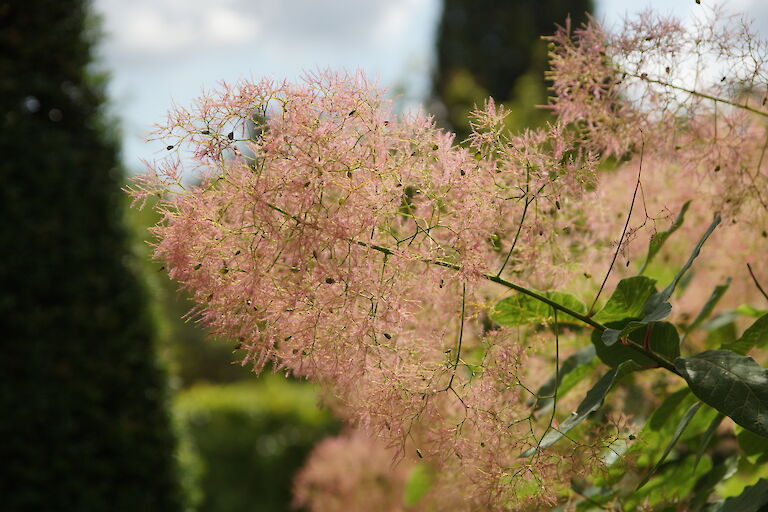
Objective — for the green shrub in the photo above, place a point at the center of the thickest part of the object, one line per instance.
(248, 439)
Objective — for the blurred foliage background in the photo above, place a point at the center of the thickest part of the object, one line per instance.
(110, 400)
(494, 48)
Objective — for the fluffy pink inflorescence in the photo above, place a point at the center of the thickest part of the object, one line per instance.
(692, 100)
(346, 244)
(353, 471)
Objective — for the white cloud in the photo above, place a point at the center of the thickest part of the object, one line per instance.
(158, 30)
(164, 50)
(230, 27)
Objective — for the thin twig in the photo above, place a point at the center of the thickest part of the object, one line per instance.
(461, 336)
(514, 242)
(623, 232)
(749, 267)
(528, 202)
(557, 382)
(698, 93)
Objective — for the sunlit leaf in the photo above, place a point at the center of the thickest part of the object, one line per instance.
(667, 407)
(417, 485)
(747, 310)
(708, 435)
(627, 300)
(682, 424)
(709, 481)
(521, 309)
(753, 499)
(755, 447)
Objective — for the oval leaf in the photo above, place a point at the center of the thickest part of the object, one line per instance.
(520, 309)
(628, 299)
(753, 499)
(662, 338)
(756, 335)
(731, 383)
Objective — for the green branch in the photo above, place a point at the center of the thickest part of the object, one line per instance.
(694, 92)
(662, 362)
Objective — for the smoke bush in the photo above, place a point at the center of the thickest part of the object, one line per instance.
(367, 250)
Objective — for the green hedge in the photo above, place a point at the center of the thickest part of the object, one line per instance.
(247, 440)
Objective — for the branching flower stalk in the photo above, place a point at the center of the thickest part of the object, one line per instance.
(345, 244)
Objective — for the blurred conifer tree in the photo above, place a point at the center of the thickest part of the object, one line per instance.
(494, 48)
(83, 423)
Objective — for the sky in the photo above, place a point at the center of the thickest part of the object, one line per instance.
(165, 52)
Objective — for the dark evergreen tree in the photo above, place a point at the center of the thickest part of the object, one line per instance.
(494, 48)
(83, 423)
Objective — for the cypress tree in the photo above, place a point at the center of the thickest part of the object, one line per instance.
(494, 48)
(83, 423)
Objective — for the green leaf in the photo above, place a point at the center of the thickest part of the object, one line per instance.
(720, 333)
(657, 299)
(755, 447)
(592, 402)
(662, 339)
(667, 407)
(708, 435)
(684, 421)
(747, 310)
(660, 428)
(753, 499)
(714, 298)
(611, 336)
(628, 299)
(756, 335)
(731, 383)
(669, 487)
(658, 240)
(707, 483)
(417, 485)
(521, 309)
(572, 371)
